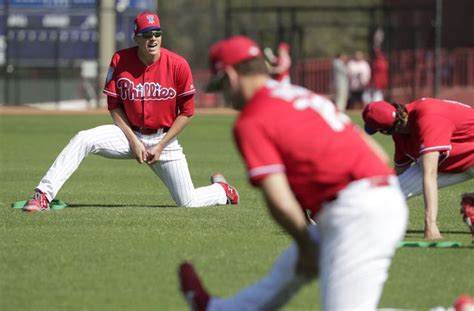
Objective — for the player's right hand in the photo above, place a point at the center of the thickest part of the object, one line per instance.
(139, 151)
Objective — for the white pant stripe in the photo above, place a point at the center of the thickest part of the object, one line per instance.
(411, 180)
(109, 141)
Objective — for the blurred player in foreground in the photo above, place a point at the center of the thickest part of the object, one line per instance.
(309, 160)
(434, 148)
(150, 96)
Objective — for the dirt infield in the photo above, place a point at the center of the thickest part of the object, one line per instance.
(22, 110)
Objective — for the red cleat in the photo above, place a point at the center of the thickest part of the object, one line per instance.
(464, 303)
(231, 193)
(38, 203)
(192, 289)
(467, 210)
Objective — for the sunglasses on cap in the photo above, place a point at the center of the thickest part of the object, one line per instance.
(149, 34)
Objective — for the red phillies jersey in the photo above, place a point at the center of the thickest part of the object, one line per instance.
(286, 128)
(438, 125)
(152, 96)
(379, 77)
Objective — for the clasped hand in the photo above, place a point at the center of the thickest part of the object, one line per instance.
(144, 155)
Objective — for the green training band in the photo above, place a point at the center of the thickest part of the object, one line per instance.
(445, 244)
(54, 204)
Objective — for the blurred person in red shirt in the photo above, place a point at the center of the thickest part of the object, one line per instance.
(379, 80)
(380, 68)
(280, 64)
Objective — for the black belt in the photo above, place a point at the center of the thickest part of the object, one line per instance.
(149, 131)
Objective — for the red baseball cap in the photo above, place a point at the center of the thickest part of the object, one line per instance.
(146, 21)
(378, 116)
(284, 45)
(229, 52)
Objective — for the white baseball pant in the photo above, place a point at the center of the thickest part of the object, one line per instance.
(411, 180)
(357, 235)
(110, 142)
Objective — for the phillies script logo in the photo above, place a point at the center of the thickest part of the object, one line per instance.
(148, 90)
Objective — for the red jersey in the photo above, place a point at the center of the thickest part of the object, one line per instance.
(438, 125)
(286, 128)
(379, 77)
(152, 96)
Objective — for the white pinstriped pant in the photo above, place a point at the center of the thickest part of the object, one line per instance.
(411, 180)
(110, 142)
(357, 235)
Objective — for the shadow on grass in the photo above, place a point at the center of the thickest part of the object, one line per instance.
(79, 205)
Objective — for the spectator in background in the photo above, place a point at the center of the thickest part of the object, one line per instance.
(379, 66)
(281, 63)
(379, 77)
(340, 81)
(358, 70)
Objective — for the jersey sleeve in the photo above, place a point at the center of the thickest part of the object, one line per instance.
(258, 150)
(185, 89)
(113, 99)
(434, 133)
(186, 105)
(109, 88)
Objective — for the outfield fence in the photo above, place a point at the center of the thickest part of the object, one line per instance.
(411, 73)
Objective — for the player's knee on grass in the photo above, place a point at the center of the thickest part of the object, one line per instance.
(183, 202)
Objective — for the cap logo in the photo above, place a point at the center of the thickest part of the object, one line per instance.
(151, 19)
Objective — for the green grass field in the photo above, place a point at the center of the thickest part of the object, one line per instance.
(119, 244)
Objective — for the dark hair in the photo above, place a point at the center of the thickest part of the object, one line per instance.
(400, 115)
(400, 119)
(252, 67)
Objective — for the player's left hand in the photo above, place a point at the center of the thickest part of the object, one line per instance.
(154, 154)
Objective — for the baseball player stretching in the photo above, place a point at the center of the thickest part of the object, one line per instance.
(434, 147)
(150, 96)
(308, 159)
